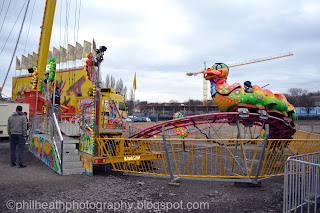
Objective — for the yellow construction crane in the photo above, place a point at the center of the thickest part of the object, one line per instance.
(205, 87)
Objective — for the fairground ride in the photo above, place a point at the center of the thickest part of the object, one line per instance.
(248, 141)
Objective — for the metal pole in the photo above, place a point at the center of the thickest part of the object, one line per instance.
(168, 159)
(265, 142)
(236, 145)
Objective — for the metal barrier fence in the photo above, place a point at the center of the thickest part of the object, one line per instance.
(302, 183)
(212, 130)
(239, 160)
(41, 123)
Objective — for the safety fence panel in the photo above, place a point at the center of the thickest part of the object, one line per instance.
(302, 183)
(236, 158)
(278, 152)
(41, 123)
(216, 158)
(142, 156)
(187, 158)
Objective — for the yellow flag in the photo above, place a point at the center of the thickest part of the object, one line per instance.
(30, 61)
(86, 48)
(134, 82)
(24, 62)
(49, 56)
(71, 56)
(79, 51)
(56, 55)
(35, 59)
(18, 66)
(63, 54)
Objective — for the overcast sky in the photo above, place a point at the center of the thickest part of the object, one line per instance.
(163, 40)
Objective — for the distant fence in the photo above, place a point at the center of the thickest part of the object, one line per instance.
(302, 183)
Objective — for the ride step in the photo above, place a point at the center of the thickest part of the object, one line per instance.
(73, 171)
(74, 157)
(67, 146)
(69, 151)
(72, 164)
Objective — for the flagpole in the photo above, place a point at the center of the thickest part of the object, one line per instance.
(134, 97)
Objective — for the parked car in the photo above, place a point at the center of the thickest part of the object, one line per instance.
(140, 119)
(135, 119)
(147, 119)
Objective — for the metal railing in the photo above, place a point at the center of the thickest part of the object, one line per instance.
(40, 123)
(60, 138)
(302, 183)
(238, 160)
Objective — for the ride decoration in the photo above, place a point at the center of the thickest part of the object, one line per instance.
(229, 97)
(88, 65)
(93, 112)
(52, 69)
(40, 85)
(35, 78)
(182, 132)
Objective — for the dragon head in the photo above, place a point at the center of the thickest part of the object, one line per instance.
(219, 70)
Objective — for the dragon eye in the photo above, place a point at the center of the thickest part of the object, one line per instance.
(219, 67)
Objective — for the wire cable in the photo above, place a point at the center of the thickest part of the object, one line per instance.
(14, 52)
(12, 28)
(24, 51)
(5, 16)
(79, 21)
(2, 6)
(74, 36)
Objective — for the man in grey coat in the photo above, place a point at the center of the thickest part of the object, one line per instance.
(17, 130)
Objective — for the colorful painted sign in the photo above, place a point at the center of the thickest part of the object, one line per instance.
(88, 165)
(86, 144)
(43, 149)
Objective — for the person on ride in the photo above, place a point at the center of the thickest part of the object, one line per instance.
(248, 87)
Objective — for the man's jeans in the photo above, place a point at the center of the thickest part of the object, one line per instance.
(17, 140)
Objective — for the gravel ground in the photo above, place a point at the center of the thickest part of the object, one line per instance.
(37, 185)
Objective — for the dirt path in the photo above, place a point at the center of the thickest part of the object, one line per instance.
(38, 185)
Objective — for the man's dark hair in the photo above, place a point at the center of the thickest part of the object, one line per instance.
(19, 108)
(25, 113)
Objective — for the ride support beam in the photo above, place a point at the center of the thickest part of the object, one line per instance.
(45, 36)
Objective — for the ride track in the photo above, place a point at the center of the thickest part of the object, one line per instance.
(279, 128)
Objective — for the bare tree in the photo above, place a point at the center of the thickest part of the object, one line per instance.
(307, 102)
(119, 85)
(294, 96)
(131, 95)
(301, 98)
(124, 93)
(173, 101)
(107, 81)
(112, 82)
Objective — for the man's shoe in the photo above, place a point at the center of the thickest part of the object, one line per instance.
(22, 166)
(13, 164)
